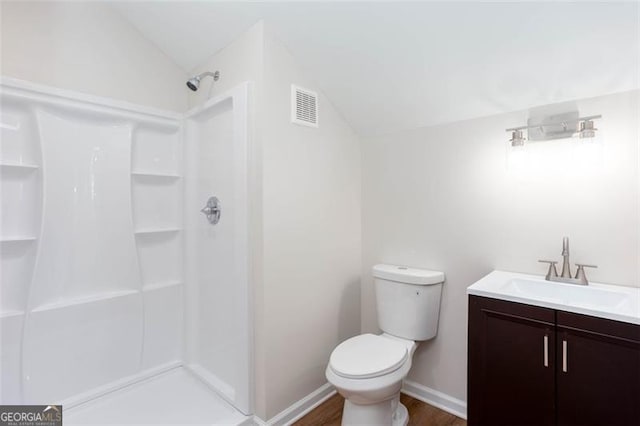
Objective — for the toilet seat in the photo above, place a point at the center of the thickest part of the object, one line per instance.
(367, 356)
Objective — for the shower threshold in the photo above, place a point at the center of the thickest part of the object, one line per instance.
(175, 397)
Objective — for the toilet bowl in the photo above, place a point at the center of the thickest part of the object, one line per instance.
(368, 370)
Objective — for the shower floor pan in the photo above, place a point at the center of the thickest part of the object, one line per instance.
(175, 397)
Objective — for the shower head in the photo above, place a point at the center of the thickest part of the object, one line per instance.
(194, 82)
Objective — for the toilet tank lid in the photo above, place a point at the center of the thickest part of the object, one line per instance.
(404, 274)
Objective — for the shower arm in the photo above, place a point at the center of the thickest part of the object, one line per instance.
(215, 75)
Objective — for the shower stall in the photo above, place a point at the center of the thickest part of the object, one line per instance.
(119, 298)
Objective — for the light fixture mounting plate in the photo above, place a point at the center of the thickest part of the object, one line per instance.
(550, 127)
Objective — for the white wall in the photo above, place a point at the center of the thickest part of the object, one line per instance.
(240, 61)
(443, 198)
(311, 225)
(89, 48)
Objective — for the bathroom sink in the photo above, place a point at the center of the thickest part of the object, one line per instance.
(601, 300)
(566, 293)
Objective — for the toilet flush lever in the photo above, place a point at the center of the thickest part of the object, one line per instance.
(212, 210)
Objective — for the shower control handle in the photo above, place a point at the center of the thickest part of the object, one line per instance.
(212, 210)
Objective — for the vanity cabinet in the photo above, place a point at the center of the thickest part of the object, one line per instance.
(598, 373)
(529, 365)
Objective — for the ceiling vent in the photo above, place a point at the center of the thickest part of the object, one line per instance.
(304, 107)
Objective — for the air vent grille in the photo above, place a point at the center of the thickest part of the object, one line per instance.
(304, 107)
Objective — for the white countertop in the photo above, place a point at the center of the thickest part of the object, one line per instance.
(614, 302)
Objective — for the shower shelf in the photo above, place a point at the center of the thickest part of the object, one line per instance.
(156, 174)
(160, 284)
(17, 239)
(156, 230)
(80, 300)
(11, 313)
(19, 166)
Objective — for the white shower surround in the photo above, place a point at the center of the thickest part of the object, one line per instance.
(94, 292)
(219, 311)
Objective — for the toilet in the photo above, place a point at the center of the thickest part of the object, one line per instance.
(368, 370)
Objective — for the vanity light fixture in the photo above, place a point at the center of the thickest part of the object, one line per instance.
(559, 126)
(517, 138)
(587, 129)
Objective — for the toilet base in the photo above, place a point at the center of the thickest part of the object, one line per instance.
(401, 416)
(386, 413)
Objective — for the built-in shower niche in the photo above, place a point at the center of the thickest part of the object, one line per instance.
(20, 212)
(156, 151)
(16, 266)
(20, 198)
(157, 216)
(163, 324)
(17, 257)
(160, 255)
(156, 203)
(11, 358)
(21, 202)
(19, 144)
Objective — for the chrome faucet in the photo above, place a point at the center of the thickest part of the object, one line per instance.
(565, 277)
(566, 266)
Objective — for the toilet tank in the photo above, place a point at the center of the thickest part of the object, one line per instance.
(408, 301)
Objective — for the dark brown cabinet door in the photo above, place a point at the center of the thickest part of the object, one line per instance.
(598, 371)
(511, 363)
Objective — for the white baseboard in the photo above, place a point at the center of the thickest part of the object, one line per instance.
(436, 398)
(296, 411)
(300, 408)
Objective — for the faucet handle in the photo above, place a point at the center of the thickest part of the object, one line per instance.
(580, 275)
(552, 272)
(584, 265)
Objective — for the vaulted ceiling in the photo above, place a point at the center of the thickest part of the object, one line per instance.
(394, 65)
